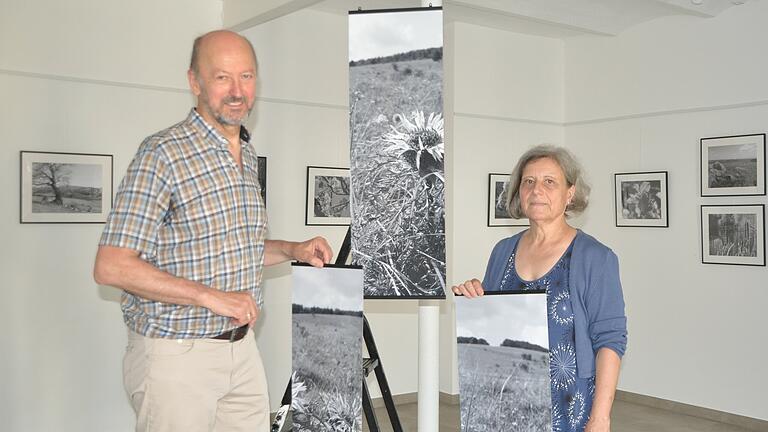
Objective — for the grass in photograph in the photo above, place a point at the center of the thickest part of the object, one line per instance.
(733, 173)
(327, 379)
(504, 389)
(71, 199)
(733, 235)
(397, 174)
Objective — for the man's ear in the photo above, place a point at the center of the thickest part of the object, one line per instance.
(194, 85)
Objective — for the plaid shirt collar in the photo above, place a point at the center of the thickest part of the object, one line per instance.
(201, 126)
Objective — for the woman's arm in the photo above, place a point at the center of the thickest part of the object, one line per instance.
(606, 378)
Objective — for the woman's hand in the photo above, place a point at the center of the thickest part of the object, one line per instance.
(598, 424)
(471, 288)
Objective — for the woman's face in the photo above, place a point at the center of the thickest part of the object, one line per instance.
(544, 192)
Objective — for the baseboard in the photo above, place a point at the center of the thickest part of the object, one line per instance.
(408, 398)
(692, 410)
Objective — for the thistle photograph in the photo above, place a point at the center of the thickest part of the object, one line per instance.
(327, 330)
(65, 187)
(503, 353)
(641, 199)
(397, 151)
(733, 165)
(327, 196)
(733, 234)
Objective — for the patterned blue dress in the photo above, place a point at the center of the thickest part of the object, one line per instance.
(571, 396)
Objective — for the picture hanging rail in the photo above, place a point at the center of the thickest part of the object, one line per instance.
(397, 151)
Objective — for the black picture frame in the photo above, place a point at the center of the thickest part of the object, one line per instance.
(733, 244)
(65, 188)
(496, 208)
(327, 196)
(732, 165)
(641, 199)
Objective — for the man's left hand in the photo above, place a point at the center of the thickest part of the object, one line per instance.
(315, 252)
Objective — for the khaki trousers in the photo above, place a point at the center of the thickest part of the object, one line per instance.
(191, 385)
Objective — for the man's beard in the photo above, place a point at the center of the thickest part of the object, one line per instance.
(231, 121)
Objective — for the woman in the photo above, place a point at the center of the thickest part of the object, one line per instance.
(585, 306)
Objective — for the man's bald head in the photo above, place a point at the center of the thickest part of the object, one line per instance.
(210, 40)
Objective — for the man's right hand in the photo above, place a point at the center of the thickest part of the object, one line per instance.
(471, 288)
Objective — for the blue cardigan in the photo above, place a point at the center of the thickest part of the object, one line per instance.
(596, 298)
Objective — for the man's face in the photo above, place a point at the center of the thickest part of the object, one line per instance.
(225, 83)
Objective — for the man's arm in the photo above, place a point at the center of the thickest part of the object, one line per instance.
(123, 268)
(314, 251)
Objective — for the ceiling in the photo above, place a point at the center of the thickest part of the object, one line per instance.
(551, 18)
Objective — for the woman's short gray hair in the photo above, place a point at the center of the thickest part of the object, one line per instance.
(573, 176)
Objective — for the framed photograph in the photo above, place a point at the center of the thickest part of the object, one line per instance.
(733, 165)
(65, 187)
(733, 234)
(641, 199)
(327, 196)
(497, 202)
(262, 172)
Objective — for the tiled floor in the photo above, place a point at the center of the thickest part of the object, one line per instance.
(627, 417)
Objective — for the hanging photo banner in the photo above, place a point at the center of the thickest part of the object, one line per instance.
(327, 329)
(504, 376)
(397, 152)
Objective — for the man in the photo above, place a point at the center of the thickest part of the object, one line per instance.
(186, 243)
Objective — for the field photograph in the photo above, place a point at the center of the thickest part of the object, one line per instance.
(397, 152)
(327, 331)
(504, 376)
(733, 165)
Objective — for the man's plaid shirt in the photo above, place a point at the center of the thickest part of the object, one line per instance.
(186, 207)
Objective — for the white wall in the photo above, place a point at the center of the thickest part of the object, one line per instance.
(695, 331)
(508, 97)
(77, 76)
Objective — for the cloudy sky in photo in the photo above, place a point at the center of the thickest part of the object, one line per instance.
(383, 34)
(328, 287)
(494, 318)
(736, 151)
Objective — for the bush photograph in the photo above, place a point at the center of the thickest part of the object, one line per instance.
(397, 152)
(504, 375)
(327, 330)
(733, 234)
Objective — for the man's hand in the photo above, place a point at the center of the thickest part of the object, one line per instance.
(315, 251)
(239, 306)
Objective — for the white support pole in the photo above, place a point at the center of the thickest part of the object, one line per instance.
(429, 350)
(429, 366)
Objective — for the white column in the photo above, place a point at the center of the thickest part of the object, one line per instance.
(429, 350)
(429, 366)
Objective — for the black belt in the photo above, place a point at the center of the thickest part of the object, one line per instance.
(234, 334)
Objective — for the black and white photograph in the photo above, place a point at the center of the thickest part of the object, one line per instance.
(497, 202)
(503, 353)
(65, 187)
(327, 329)
(328, 196)
(733, 165)
(262, 171)
(733, 234)
(397, 151)
(641, 199)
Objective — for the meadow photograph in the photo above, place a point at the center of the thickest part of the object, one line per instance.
(327, 330)
(65, 187)
(733, 165)
(503, 353)
(641, 199)
(397, 152)
(733, 234)
(328, 194)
